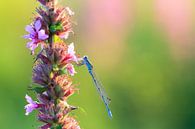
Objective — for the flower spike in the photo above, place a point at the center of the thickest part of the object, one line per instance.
(53, 66)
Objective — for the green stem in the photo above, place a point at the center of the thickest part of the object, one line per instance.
(51, 42)
(51, 13)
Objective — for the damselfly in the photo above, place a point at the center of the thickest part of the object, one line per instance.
(98, 84)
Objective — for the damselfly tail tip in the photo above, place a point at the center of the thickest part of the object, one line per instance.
(110, 114)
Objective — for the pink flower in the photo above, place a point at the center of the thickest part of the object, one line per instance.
(31, 106)
(72, 52)
(36, 35)
(65, 34)
(70, 12)
(70, 69)
(70, 123)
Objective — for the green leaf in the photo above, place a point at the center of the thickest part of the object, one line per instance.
(58, 91)
(57, 127)
(58, 88)
(39, 89)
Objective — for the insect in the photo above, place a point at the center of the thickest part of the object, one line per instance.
(98, 85)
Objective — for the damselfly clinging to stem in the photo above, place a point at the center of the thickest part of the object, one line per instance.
(98, 85)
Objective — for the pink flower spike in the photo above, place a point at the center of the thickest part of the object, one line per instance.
(70, 69)
(71, 52)
(32, 105)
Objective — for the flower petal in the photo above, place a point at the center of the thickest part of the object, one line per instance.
(71, 49)
(32, 46)
(64, 35)
(28, 109)
(27, 36)
(29, 99)
(42, 35)
(72, 52)
(71, 69)
(75, 59)
(37, 25)
(30, 29)
(70, 12)
(29, 44)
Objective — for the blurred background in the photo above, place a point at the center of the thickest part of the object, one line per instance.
(143, 52)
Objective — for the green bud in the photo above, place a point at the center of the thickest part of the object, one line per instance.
(55, 67)
(55, 27)
(63, 71)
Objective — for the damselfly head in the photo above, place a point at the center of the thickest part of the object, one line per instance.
(109, 99)
(87, 63)
(85, 57)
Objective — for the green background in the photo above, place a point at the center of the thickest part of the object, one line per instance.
(149, 87)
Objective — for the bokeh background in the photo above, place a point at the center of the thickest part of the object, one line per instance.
(142, 50)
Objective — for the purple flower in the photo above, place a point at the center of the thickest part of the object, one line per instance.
(45, 117)
(70, 69)
(31, 106)
(46, 126)
(36, 35)
(43, 2)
